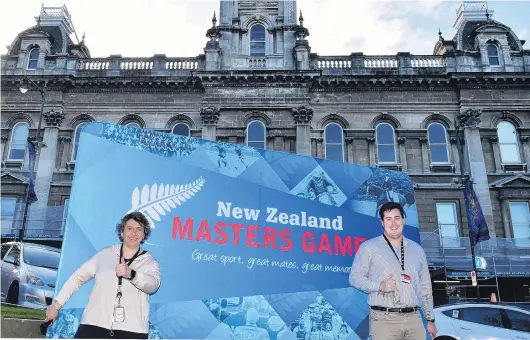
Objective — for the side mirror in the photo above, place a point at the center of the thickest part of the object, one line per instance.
(9, 259)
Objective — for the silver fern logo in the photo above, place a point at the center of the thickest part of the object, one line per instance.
(158, 199)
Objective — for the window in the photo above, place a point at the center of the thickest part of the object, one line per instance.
(438, 143)
(134, 125)
(257, 40)
(508, 143)
(484, 316)
(181, 129)
(256, 134)
(334, 147)
(448, 224)
(76, 140)
(493, 55)
(5, 248)
(386, 147)
(520, 217)
(9, 206)
(15, 252)
(33, 59)
(19, 140)
(40, 257)
(519, 321)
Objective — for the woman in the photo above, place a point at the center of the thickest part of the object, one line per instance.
(125, 275)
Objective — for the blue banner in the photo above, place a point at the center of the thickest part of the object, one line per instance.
(252, 243)
(478, 229)
(32, 197)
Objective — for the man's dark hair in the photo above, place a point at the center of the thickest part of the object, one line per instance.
(389, 206)
(135, 216)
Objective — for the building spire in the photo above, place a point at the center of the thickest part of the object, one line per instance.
(214, 20)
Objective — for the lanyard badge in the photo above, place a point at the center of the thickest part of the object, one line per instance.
(119, 311)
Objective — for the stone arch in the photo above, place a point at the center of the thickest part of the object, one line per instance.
(385, 118)
(506, 116)
(80, 119)
(437, 118)
(180, 118)
(19, 117)
(132, 118)
(333, 118)
(257, 115)
(257, 19)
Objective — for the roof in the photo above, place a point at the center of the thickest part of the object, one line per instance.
(465, 37)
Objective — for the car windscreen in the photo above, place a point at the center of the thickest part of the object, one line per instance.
(41, 257)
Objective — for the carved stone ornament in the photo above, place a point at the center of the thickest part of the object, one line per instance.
(209, 115)
(469, 118)
(302, 114)
(54, 118)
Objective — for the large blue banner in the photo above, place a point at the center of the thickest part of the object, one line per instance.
(252, 243)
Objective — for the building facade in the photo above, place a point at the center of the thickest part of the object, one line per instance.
(258, 83)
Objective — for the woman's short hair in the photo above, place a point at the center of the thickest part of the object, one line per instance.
(139, 218)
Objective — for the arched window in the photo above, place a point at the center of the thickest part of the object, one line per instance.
(508, 143)
(386, 143)
(134, 125)
(19, 140)
(256, 134)
(33, 59)
(76, 140)
(438, 143)
(257, 40)
(334, 142)
(493, 55)
(181, 129)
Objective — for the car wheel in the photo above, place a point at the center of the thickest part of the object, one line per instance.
(12, 294)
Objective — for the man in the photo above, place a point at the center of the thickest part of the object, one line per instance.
(393, 271)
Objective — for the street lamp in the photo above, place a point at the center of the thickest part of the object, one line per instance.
(23, 89)
(467, 118)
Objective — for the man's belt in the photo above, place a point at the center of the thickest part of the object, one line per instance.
(396, 310)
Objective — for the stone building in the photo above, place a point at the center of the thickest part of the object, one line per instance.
(258, 82)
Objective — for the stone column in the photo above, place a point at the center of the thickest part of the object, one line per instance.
(302, 116)
(47, 156)
(425, 162)
(209, 117)
(4, 139)
(526, 149)
(454, 154)
(279, 143)
(477, 168)
(349, 149)
(371, 151)
(402, 153)
(496, 153)
(269, 142)
(320, 147)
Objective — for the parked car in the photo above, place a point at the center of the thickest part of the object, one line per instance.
(29, 272)
(482, 321)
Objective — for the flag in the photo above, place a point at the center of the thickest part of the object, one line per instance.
(32, 197)
(478, 229)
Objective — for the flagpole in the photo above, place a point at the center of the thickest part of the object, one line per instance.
(464, 119)
(42, 91)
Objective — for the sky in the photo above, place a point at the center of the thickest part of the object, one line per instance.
(177, 28)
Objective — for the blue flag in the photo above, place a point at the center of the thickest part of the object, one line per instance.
(478, 229)
(32, 197)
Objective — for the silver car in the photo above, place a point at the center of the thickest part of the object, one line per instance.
(29, 272)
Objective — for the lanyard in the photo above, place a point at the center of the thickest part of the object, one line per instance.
(119, 294)
(402, 262)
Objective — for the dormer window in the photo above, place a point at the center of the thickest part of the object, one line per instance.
(257, 40)
(493, 55)
(33, 59)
